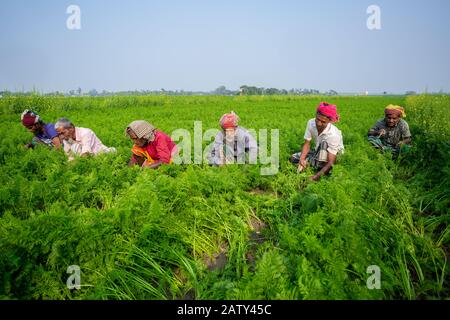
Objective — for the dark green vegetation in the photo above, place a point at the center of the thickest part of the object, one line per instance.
(194, 231)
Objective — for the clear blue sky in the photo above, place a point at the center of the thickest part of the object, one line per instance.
(200, 45)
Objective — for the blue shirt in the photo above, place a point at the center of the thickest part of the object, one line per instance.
(49, 132)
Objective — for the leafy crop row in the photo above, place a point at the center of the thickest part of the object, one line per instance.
(191, 231)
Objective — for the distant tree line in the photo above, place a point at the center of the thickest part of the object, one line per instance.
(244, 90)
(222, 90)
(250, 90)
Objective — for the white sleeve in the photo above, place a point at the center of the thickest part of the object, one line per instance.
(66, 147)
(308, 135)
(333, 144)
(87, 141)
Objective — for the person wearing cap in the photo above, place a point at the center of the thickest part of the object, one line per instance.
(79, 141)
(152, 147)
(327, 140)
(44, 133)
(233, 144)
(391, 133)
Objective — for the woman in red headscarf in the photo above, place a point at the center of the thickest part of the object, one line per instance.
(391, 133)
(327, 140)
(44, 133)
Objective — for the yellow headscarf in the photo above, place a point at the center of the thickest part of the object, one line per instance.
(396, 110)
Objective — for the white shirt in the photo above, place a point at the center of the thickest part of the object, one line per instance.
(330, 134)
(85, 142)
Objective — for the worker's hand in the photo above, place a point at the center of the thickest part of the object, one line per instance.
(314, 178)
(146, 164)
(382, 132)
(303, 162)
(29, 146)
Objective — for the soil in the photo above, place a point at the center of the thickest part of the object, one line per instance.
(259, 191)
(256, 238)
(218, 260)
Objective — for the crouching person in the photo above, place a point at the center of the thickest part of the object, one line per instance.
(79, 141)
(44, 133)
(233, 144)
(152, 147)
(391, 133)
(327, 139)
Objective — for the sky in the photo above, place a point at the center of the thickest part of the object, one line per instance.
(200, 45)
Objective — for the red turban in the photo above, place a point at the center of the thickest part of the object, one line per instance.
(29, 118)
(328, 110)
(229, 120)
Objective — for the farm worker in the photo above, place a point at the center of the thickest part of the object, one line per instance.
(79, 141)
(327, 140)
(233, 144)
(151, 147)
(391, 133)
(44, 133)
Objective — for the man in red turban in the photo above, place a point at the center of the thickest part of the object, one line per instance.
(327, 139)
(329, 111)
(233, 144)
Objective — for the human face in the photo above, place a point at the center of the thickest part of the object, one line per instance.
(392, 119)
(66, 133)
(35, 128)
(229, 131)
(140, 142)
(321, 122)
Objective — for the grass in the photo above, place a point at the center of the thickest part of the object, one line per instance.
(143, 234)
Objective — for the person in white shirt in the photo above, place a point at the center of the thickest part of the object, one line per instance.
(233, 144)
(327, 140)
(79, 141)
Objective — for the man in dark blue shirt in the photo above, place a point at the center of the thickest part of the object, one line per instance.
(44, 133)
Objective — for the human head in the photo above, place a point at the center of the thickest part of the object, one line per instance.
(229, 121)
(328, 110)
(325, 114)
(31, 121)
(393, 114)
(141, 132)
(321, 121)
(65, 129)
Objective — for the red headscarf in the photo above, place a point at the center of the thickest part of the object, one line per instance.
(29, 118)
(229, 120)
(328, 110)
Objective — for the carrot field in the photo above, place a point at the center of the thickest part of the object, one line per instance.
(193, 231)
